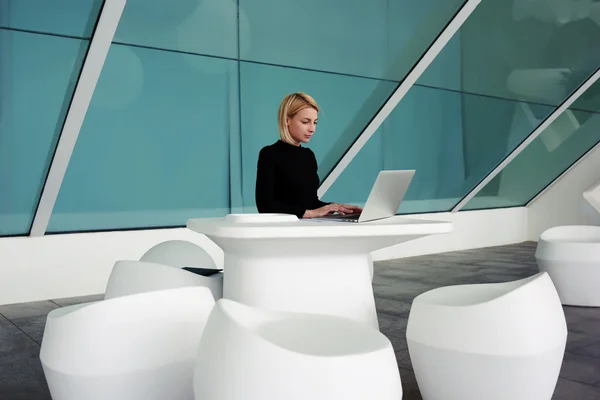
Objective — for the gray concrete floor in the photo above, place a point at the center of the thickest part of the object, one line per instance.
(396, 283)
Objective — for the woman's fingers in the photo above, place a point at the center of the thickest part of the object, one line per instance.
(353, 209)
(334, 207)
(340, 208)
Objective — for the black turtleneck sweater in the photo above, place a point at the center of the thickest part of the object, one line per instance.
(287, 180)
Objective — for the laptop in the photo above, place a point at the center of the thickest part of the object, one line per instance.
(383, 201)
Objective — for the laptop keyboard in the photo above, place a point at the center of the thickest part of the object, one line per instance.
(343, 217)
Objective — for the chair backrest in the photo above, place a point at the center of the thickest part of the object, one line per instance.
(179, 253)
(522, 316)
(145, 330)
(131, 277)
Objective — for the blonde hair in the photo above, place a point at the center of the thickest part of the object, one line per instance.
(290, 106)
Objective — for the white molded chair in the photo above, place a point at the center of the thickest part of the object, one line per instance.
(179, 253)
(130, 277)
(571, 256)
(252, 354)
(138, 347)
(488, 341)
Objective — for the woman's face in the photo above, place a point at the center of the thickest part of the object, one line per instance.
(303, 125)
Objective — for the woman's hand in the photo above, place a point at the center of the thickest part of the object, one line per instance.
(330, 209)
(355, 209)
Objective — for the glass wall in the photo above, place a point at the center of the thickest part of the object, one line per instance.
(568, 138)
(507, 68)
(189, 95)
(42, 49)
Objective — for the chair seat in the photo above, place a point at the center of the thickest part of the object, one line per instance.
(292, 356)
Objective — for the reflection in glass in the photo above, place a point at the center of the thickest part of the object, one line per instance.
(569, 137)
(425, 132)
(500, 76)
(533, 51)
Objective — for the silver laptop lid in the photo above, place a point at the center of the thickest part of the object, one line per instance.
(386, 195)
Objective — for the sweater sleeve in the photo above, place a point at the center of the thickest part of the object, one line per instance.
(317, 203)
(320, 203)
(265, 188)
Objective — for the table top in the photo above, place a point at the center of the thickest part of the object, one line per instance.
(256, 226)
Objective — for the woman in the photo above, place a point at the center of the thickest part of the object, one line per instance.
(287, 180)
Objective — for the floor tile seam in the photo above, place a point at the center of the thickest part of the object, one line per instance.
(52, 301)
(398, 299)
(402, 337)
(387, 314)
(570, 351)
(583, 346)
(593, 385)
(394, 299)
(19, 328)
(570, 330)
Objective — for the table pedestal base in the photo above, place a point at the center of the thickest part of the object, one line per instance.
(326, 284)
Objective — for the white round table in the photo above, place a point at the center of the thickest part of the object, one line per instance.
(278, 262)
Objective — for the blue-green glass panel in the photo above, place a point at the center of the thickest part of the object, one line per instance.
(379, 38)
(512, 68)
(445, 70)
(346, 103)
(206, 27)
(568, 138)
(38, 74)
(529, 52)
(533, 51)
(154, 147)
(426, 132)
(75, 18)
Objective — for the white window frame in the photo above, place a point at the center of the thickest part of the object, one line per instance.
(432, 52)
(106, 27)
(538, 131)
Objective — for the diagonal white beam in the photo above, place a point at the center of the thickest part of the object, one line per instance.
(99, 44)
(565, 173)
(410, 79)
(538, 131)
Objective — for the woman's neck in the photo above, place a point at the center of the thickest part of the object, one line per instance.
(293, 143)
